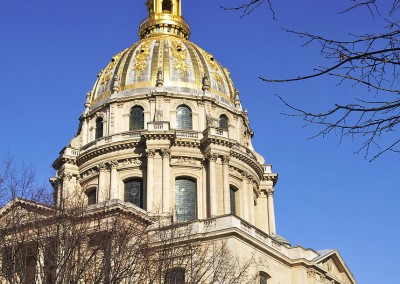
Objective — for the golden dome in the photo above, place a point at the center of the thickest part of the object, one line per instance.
(164, 61)
(182, 66)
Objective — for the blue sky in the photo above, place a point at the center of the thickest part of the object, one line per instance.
(326, 196)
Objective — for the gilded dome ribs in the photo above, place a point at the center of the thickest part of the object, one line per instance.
(183, 65)
(126, 63)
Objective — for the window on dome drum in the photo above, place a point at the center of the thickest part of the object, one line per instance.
(233, 200)
(167, 6)
(99, 128)
(134, 192)
(223, 122)
(92, 196)
(185, 199)
(136, 118)
(184, 117)
(264, 277)
(175, 276)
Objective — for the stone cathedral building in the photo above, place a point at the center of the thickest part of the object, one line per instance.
(164, 133)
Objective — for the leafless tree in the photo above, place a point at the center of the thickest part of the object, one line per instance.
(369, 60)
(110, 242)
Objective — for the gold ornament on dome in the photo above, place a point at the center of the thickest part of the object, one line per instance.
(180, 55)
(214, 66)
(141, 58)
(108, 71)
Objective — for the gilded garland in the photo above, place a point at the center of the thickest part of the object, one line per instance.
(141, 58)
(180, 55)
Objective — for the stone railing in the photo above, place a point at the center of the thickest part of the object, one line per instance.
(267, 168)
(186, 134)
(112, 138)
(215, 131)
(225, 222)
(158, 126)
(71, 152)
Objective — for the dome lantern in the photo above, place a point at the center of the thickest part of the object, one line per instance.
(164, 17)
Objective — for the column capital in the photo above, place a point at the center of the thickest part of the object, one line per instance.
(166, 153)
(225, 159)
(150, 153)
(212, 157)
(270, 192)
(102, 167)
(66, 176)
(114, 164)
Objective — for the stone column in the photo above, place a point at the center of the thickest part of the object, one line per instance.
(227, 193)
(101, 190)
(39, 277)
(262, 212)
(65, 193)
(245, 198)
(150, 177)
(84, 131)
(212, 158)
(204, 192)
(271, 212)
(114, 181)
(166, 192)
(251, 201)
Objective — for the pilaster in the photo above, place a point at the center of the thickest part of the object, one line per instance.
(114, 179)
(225, 173)
(271, 212)
(166, 192)
(102, 186)
(212, 158)
(149, 177)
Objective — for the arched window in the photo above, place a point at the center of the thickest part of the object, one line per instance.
(264, 277)
(99, 128)
(167, 6)
(92, 196)
(175, 276)
(134, 192)
(232, 192)
(184, 117)
(136, 118)
(185, 199)
(223, 122)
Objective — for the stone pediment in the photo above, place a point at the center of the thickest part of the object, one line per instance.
(20, 211)
(333, 264)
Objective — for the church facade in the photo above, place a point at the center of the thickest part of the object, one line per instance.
(164, 135)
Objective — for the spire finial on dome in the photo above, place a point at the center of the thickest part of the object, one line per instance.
(165, 17)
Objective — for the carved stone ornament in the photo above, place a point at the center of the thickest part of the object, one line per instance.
(166, 153)
(185, 160)
(134, 162)
(116, 84)
(150, 153)
(160, 78)
(226, 159)
(212, 157)
(114, 164)
(89, 173)
(205, 83)
(102, 167)
(67, 176)
(310, 272)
